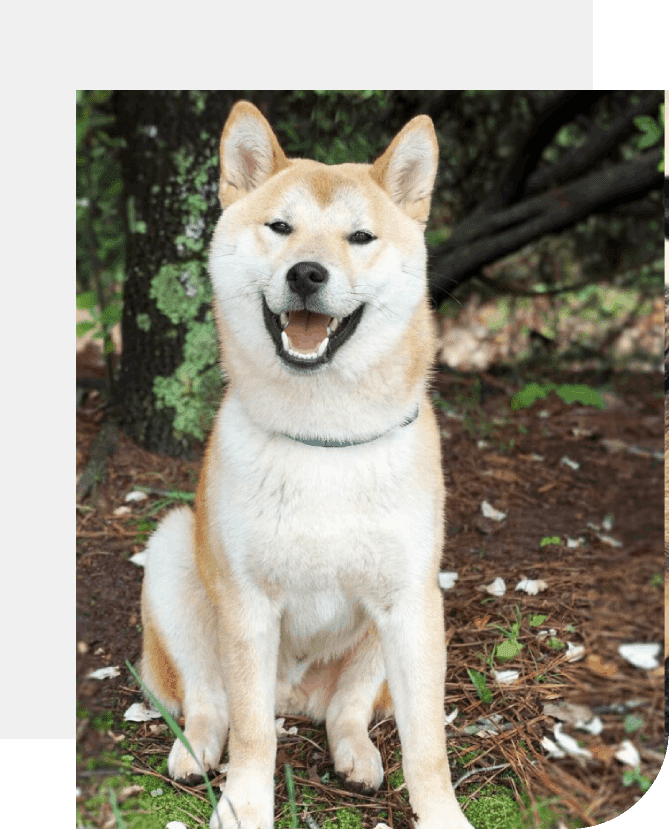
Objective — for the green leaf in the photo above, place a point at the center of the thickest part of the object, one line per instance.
(536, 620)
(83, 328)
(509, 648)
(529, 394)
(550, 540)
(85, 301)
(479, 681)
(580, 393)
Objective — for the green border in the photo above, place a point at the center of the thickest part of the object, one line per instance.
(630, 45)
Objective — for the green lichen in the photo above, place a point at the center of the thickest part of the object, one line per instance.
(143, 321)
(193, 395)
(180, 290)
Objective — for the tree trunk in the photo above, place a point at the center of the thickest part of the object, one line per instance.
(170, 172)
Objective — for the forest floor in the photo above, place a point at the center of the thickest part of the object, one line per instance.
(582, 490)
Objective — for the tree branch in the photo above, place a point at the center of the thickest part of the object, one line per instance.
(508, 230)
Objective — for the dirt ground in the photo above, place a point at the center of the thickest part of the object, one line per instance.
(606, 591)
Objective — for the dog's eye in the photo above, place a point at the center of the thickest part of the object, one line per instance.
(361, 237)
(280, 227)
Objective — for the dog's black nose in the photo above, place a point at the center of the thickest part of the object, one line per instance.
(306, 278)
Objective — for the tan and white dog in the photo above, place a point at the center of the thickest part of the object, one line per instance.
(306, 580)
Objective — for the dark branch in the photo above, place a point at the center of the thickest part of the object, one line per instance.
(506, 231)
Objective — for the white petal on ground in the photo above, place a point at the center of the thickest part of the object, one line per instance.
(570, 745)
(104, 672)
(594, 727)
(139, 712)
(135, 496)
(506, 676)
(447, 579)
(574, 652)
(176, 825)
(139, 559)
(530, 586)
(491, 513)
(497, 587)
(569, 463)
(551, 748)
(627, 753)
(449, 719)
(641, 655)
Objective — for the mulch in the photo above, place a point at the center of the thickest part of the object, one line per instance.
(598, 595)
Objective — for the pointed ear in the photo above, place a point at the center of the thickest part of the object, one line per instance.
(249, 153)
(407, 168)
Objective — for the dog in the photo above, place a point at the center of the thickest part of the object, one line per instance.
(306, 579)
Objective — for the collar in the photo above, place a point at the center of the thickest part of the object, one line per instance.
(323, 442)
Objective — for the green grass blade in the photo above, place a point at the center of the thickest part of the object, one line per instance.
(290, 789)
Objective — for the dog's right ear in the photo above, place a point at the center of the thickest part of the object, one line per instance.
(249, 153)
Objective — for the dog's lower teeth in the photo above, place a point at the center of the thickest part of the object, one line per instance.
(322, 348)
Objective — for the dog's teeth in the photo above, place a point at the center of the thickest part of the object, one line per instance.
(283, 319)
(322, 348)
(333, 325)
(285, 342)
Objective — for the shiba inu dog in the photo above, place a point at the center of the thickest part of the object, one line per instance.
(306, 580)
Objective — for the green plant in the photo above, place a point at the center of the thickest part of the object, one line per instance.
(290, 790)
(652, 131)
(633, 776)
(479, 681)
(550, 540)
(568, 392)
(536, 620)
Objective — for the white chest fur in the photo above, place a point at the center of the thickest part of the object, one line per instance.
(321, 530)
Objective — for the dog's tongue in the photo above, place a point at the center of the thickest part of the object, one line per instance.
(306, 330)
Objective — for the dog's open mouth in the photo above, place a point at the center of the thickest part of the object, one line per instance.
(304, 338)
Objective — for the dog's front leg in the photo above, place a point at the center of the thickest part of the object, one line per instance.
(249, 641)
(412, 636)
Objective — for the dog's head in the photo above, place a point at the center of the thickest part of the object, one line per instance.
(318, 269)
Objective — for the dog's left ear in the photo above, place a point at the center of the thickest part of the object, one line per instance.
(407, 168)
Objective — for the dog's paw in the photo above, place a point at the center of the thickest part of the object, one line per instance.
(183, 768)
(232, 814)
(449, 816)
(358, 764)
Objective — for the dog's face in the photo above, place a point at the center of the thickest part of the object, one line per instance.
(318, 269)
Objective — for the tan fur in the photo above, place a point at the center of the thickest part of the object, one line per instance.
(306, 579)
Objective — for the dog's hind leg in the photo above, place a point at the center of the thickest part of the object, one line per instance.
(179, 659)
(360, 684)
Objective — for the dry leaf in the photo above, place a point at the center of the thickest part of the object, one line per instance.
(480, 621)
(601, 668)
(602, 752)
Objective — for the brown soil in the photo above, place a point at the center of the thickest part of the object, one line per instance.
(597, 594)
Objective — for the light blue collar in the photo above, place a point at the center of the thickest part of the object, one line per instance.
(323, 442)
